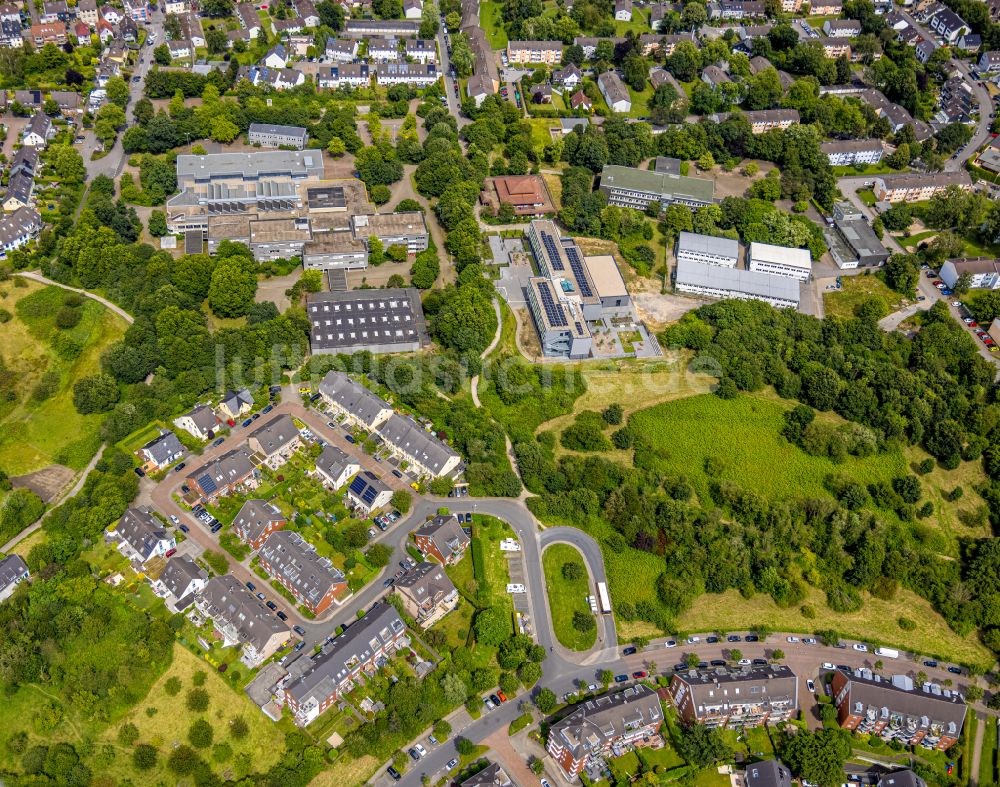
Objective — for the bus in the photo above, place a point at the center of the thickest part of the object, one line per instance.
(888, 653)
(604, 600)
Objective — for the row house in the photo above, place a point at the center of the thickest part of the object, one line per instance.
(20, 187)
(287, 26)
(256, 520)
(141, 536)
(895, 709)
(984, 272)
(735, 698)
(410, 442)
(442, 538)
(362, 649)
(423, 51)
(249, 20)
(736, 9)
(382, 49)
(48, 33)
(294, 562)
(345, 75)
(417, 74)
(842, 28)
(11, 34)
(18, 229)
(602, 725)
(234, 471)
(340, 50)
(240, 618)
(352, 400)
(276, 78)
(39, 131)
(191, 29)
(534, 52)
(275, 441)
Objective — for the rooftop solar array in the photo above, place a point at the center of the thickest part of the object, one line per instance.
(576, 264)
(554, 312)
(363, 490)
(550, 246)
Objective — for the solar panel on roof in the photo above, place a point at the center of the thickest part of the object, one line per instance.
(358, 485)
(581, 275)
(369, 495)
(550, 247)
(552, 310)
(207, 483)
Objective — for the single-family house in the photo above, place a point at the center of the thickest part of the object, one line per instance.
(334, 468)
(276, 440)
(236, 404)
(39, 131)
(13, 571)
(199, 422)
(180, 581)
(161, 452)
(427, 593)
(233, 471)
(277, 57)
(141, 536)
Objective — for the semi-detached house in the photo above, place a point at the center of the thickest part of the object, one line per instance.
(180, 581)
(427, 593)
(256, 520)
(275, 441)
(232, 472)
(442, 538)
(363, 648)
(141, 536)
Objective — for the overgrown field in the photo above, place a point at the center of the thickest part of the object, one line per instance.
(40, 364)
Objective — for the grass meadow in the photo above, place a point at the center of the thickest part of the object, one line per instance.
(36, 434)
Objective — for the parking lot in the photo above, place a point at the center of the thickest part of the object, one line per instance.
(979, 332)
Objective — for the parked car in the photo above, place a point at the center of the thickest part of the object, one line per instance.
(396, 775)
(174, 519)
(495, 699)
(744, 662)
(348, 438)
(218, 441)
(810, 685)
(751, 638)
(451, 764)
(184, 528)
(140, 472)
(760, 662)
(420, 749)
(299, 630)
(955, 670)
(639, 675)
(930, 663)
(282, 615)
(630, 650)
(808, 641)
(718, 662)
(488, 703)
(693, 640)
(255, 416)
(733, 638)
(267, 409)
(828, 665)
(272, 606)
(670, 643)
(621, 678)
(251, 587)
(502, 696)
(217, 527)
(711, 640)
(397, 474)
(860, 647)
(179, 467)
(171, 552)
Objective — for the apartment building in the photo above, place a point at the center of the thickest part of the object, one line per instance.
(381, 28)
(984, 272)
(842, 28)
(256, 520)
(848, 152)
(240, 618)
(918, 186)
(764, 120)
(442, 538)
(141, 536)
(949, 25)
(48, 33)
(835, 47)
(780, 260)
(614, 91)
(272, 136)
(534, 52)
(294, 562)
(362, 649)
(708, 249)
(715, 281)
(895, 708)
(628, 187)
(632, 716)
(735, 698)
(427, 593)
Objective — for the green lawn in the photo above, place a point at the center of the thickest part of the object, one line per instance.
(492, 23)
(566, 597)
(39, 433)
(867, 196)
(914, 240)
(869, 169)
(640, 101)
(988, 757)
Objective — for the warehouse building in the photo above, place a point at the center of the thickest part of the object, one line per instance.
(700, 278)
(780, 260)
(379, 321)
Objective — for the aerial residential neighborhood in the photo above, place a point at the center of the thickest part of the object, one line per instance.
(538, 392)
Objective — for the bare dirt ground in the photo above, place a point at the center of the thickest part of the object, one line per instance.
(658, 311)
(274, 289)
(527, 336)
(47, 483)
(732, 184)
(378, 276)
